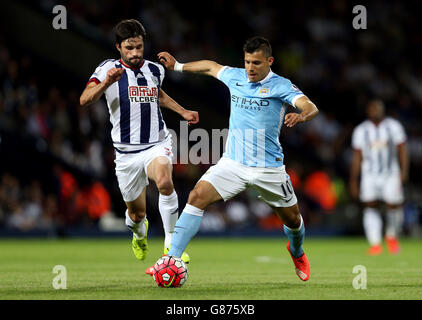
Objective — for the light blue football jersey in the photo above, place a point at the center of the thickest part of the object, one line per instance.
(257, 113)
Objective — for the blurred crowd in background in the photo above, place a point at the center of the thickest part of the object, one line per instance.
(57, 168)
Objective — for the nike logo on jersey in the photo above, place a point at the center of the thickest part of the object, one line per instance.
(238, 84)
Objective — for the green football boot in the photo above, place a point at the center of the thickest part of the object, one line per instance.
(140, 246)
(185, 257)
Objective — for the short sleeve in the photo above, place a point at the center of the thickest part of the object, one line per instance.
(289, 92)
(226, 74)
(357, 139)
(157, 71)
(100, 72)
(399, 134)
(162, 73)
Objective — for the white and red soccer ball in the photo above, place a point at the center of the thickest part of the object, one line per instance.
(170, 272)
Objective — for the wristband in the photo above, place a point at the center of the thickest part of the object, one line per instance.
(178, 67)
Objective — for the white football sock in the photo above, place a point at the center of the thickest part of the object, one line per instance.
(394, 221)
(372, 224)
(138, 228)
(169, 211)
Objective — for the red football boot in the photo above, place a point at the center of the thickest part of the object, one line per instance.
(149, 270)
(301, 265)
(375, 250)
(392, 245)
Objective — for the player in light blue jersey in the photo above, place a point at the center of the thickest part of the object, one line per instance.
(256, 116)
(253, 155)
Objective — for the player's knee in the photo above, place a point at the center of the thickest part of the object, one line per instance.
(393, 206)
(372, 204)
(165, 186)
(196, 198)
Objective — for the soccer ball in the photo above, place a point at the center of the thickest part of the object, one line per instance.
(170, 272)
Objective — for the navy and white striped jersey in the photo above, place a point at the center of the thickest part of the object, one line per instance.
(133, 104)
(379, 145)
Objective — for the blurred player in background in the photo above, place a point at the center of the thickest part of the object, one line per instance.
(381, 158)
(142, 143)
(253, 156)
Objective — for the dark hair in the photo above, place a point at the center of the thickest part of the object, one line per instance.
(128, 29)
(258, 43)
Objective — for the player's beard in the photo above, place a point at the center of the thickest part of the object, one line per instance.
(133, 62)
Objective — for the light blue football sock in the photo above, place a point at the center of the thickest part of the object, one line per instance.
(296, 237)
(185, 229)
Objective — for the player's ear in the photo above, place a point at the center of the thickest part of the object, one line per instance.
(118, 46)
(270, 61)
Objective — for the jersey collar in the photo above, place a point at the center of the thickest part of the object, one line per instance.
(268, 76)
(127, 66)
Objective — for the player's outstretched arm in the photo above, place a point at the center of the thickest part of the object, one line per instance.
(207, 67)
(166, 101)
(308, 112)
(94, 91)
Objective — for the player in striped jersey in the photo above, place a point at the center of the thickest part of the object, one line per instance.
(253, 156)
(132, 87)
(380, 157)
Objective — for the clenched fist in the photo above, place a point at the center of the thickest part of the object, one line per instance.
(114, 75)
(191, 116)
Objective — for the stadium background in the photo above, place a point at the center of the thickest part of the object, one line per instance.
(56, 165)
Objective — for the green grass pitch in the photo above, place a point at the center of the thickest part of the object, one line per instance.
(220, 269)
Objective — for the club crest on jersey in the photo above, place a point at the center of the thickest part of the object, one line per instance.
(143, 94)
(155, 80)
(264, 91)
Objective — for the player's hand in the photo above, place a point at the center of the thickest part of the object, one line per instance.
(291, 119)
(114, 75)
(167, 60)
(191, 116)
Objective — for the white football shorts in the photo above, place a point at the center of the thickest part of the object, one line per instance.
(230, 178)
(387, 188)
(131, 168)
